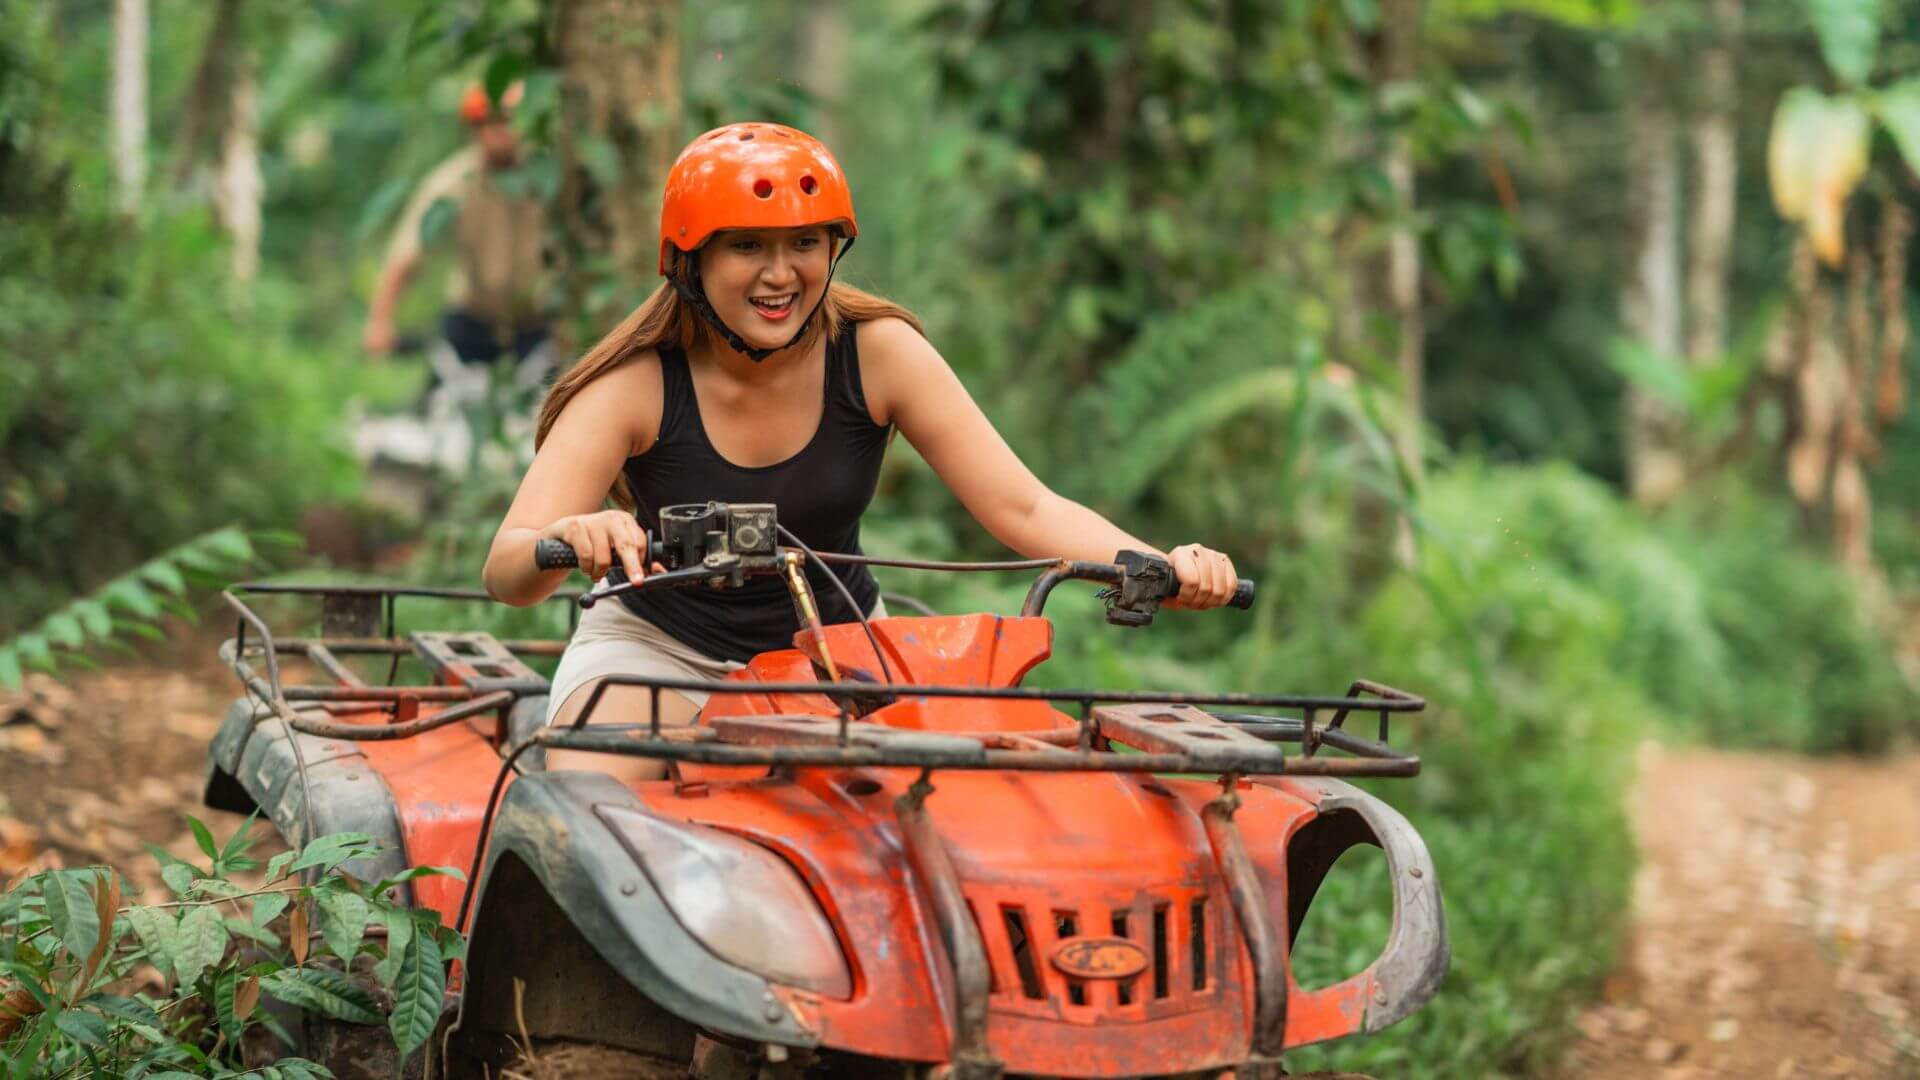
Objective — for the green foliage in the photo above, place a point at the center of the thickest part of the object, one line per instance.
(1849, 35)
(69, 950)
(131, 604)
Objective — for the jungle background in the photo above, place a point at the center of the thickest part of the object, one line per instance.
(1547, 357)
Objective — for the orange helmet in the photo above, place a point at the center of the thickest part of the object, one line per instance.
(752, 176)
(476, 107)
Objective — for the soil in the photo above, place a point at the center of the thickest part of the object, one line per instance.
(1776, 927)
(95, 765)
(1777, 911)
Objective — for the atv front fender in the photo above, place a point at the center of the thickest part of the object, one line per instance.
(253, 765)
(1410, 969)
(566, 908)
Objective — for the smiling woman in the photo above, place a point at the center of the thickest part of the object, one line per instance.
(750, 376)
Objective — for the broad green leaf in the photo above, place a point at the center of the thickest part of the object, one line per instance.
(126, 1008)
(343, 919)
(412, 873)
(230, 544)
(10, 674)
(203, 941)
(268, 908)
(1899, 109)
(218, 888)
(223, 988)
(62, 628)
(323, 990)
(302, 1069)
(33, 652)
(1849, 33)
(128, 593)
(179, 877)
(399, 935)
(252, 932)
(164, 574)
(76, 920)
(277, 866)
(86, 1028)
(203, 836)
(93, 616)
(331, 850)
(418, 991)
(159, 931)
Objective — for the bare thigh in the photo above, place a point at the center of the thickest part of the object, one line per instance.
(619, 705)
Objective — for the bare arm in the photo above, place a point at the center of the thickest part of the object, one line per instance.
(611, 418)
(910, 384)
(395, 272)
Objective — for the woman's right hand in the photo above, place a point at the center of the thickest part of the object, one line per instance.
(599, 538)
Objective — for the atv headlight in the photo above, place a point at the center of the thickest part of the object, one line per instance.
(743, 902)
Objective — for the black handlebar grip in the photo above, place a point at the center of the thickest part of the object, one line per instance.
(554, 555)
(1242, 595)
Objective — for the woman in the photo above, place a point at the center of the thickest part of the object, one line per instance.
(750, 377)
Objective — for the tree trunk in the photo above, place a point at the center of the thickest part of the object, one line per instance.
(823, 51)
(130, 101)
(1650, 300)
(1717, 170)
(1401, 22)
(619, 130)
(208, 96)
(1852, 500)
(1890, 392)
(237, 198)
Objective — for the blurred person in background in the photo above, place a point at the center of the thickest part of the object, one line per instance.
(495, 301)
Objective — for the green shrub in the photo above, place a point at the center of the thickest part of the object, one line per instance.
(137, 410)
(69, 953)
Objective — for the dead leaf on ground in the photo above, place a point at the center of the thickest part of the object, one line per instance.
(19, 843)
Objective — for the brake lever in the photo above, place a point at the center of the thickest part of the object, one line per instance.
(670, 579)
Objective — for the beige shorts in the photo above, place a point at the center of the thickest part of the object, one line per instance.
(612, 640)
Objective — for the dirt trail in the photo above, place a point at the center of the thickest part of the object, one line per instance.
(1776, 922)
(97, 764)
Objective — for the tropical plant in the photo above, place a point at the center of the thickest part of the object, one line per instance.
(91, 986)
(129, 605)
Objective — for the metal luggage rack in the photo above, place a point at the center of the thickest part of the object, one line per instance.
(1169, 732)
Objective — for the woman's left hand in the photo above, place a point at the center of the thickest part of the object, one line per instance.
(1206, 577)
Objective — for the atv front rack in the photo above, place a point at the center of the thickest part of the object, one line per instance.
(477, 674)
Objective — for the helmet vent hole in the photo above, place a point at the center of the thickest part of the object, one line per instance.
(809, 185)
(763, 188)
(746, 136)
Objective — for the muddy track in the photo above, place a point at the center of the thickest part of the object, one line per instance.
(1776, 926)
(95, 766)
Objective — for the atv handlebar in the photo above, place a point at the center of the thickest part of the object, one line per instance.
(1139, 581)
(559, 555)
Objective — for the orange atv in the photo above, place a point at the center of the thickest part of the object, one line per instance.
(874, 853)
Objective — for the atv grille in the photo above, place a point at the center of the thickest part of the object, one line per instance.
(1176, 934)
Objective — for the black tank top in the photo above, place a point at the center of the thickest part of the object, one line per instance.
(820, 491)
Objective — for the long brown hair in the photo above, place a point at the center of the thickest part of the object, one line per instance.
(666, 319)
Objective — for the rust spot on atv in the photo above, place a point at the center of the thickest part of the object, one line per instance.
(1100, 958)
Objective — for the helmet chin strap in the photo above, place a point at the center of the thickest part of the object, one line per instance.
(694, 292)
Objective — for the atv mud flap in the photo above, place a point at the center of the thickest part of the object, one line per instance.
(1410, 969)
(567, 910)
(253, 764)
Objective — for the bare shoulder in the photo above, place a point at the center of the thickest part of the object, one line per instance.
(896, 362)
(626, 399)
